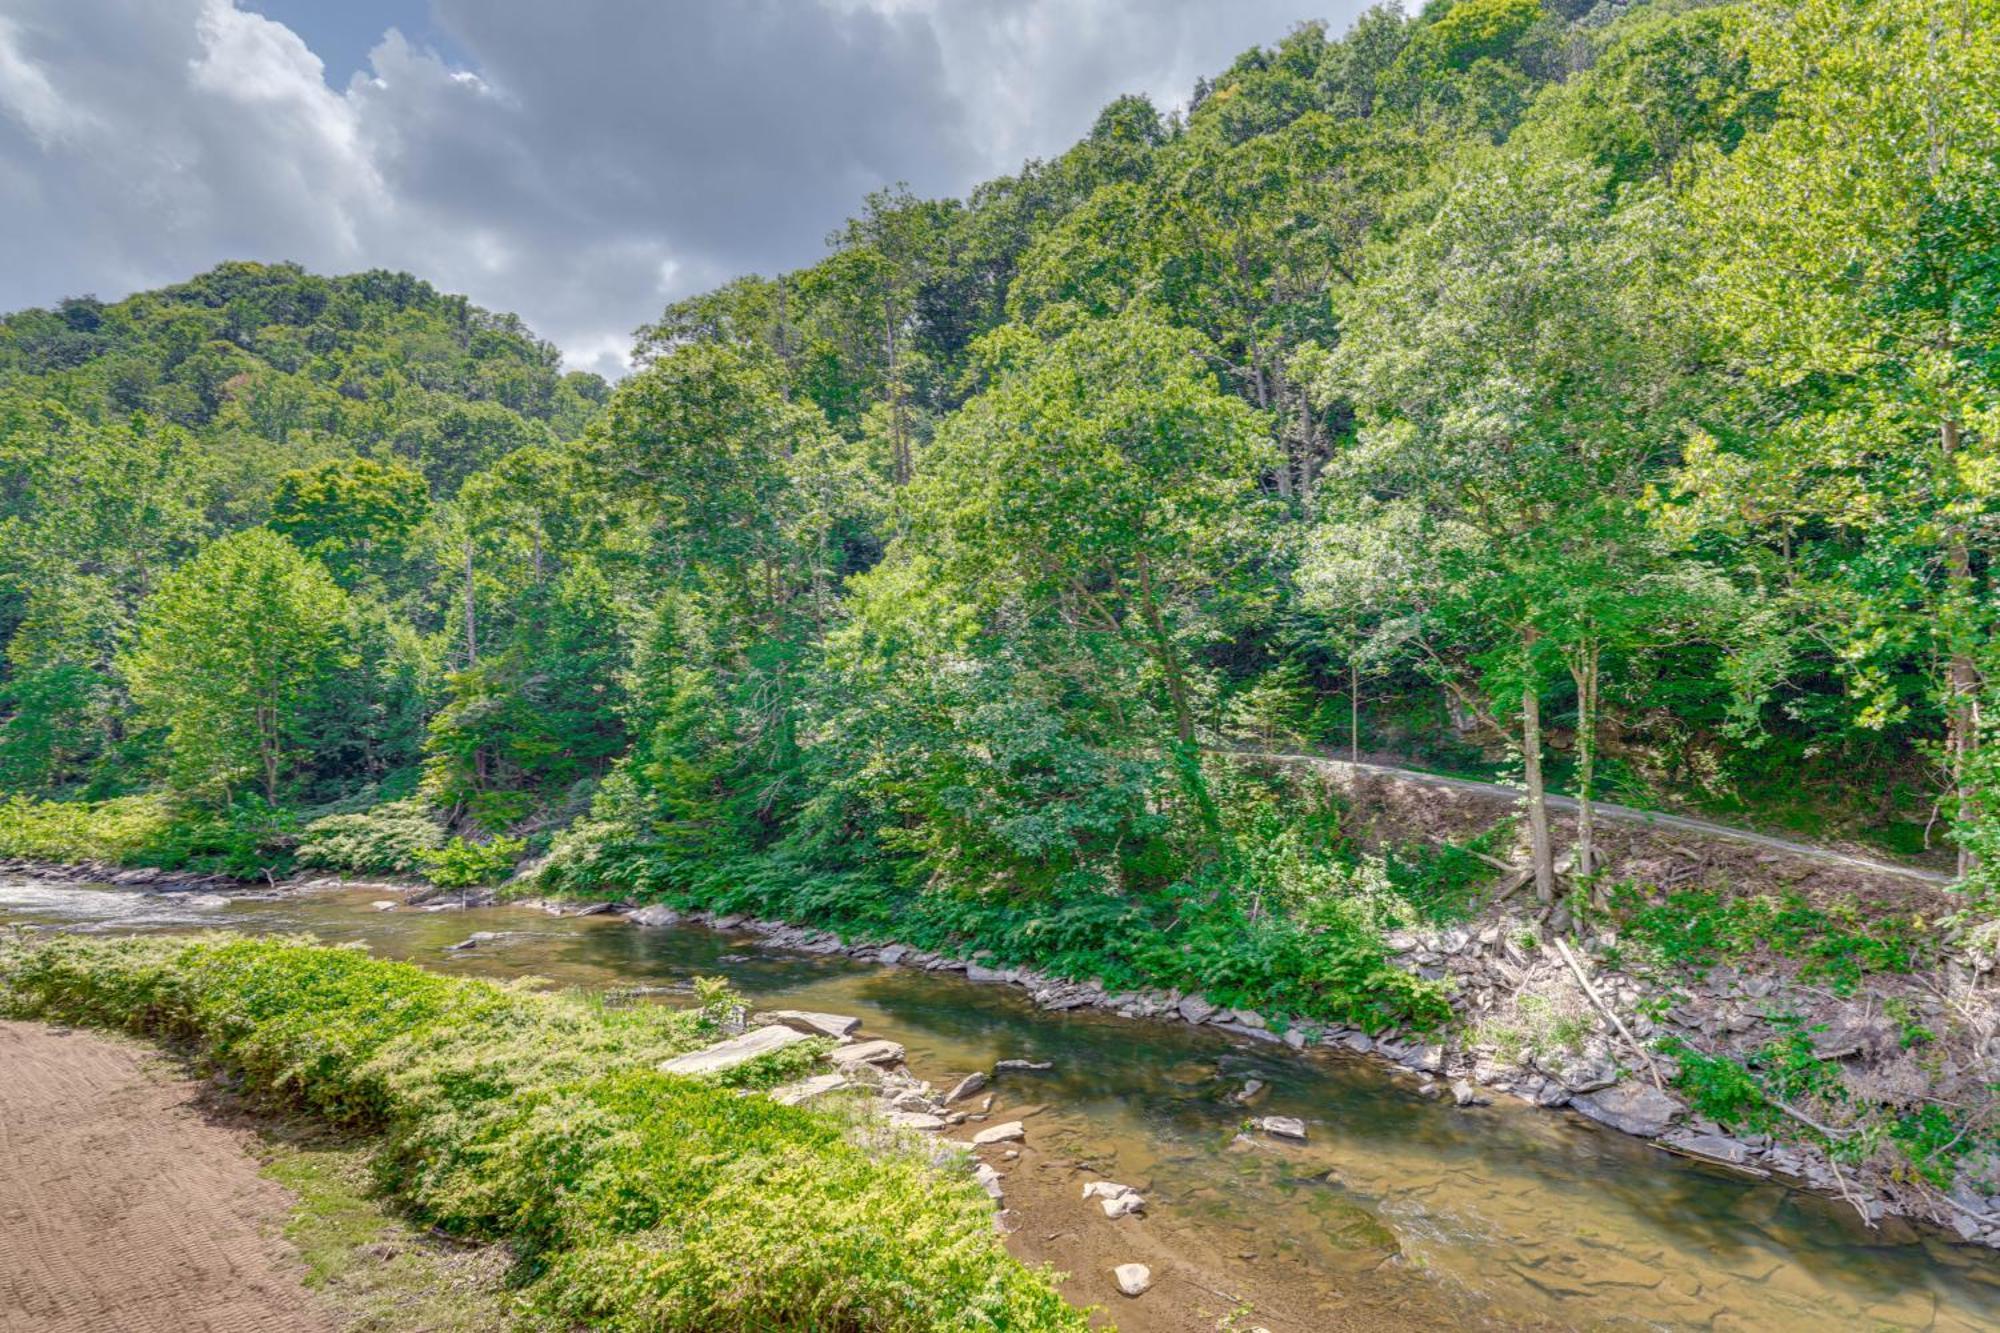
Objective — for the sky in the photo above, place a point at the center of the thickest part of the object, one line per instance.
(578, 162)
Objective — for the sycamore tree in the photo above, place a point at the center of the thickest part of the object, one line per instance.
(1850, 270)
(232, 653)
(1509, 393)
(1099, 488)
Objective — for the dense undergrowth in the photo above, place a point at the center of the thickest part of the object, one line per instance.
(1289, 933)
(633, 1200)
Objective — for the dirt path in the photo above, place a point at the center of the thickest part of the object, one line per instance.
(1623, 814)
(123, 1208)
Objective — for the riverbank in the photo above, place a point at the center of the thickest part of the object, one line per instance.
(1637, 1038)
(639, 1199)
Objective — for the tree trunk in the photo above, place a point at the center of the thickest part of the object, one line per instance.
(471, 626)
(1583, 669)
(1353, 711)
(1538, 801)
(1962, 710)
(901, 463)
(267, 746)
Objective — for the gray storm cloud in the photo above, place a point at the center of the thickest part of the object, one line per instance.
(589, 162)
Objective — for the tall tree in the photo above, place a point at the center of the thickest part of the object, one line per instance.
(232, 651)
(1851, 265)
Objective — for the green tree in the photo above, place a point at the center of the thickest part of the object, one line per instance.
(1850, 273)
(353, 515)
(232, 652)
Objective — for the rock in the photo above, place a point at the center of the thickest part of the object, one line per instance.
(1195, 1009)
(1358, 1042)
(1284, 1126)
(592, 909)
(989, 1180)
(1023, 1066)
(1463, 1094)
(1295, 1038)
(1254, 1034)
(1430, 1059)
(736, 1051)
(473, 941)
(1250, 1018)
(792, 1094)
(729, 922)
(1248, 1093)
(915, 1120)
(1133, 1279)
(867, 1053)
(1583, 1075)
(1116, 1200)
(892, 955)
(384, 905)
(1634, 1108)
(1715, 1147)
(979, 972)
(658, 914)
(837, 1026)
(1007, 1131)
(965, 1087)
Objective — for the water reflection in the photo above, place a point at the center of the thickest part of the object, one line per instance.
(1515, 1218)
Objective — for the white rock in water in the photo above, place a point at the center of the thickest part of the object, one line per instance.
(1005, 1132)
(989, 1180)
(1284, 1126)
(837, 1026)
(1133, 1279)
(1117, 1200)
(808, 1088)
(736, 1051)
(659, 914)
(965, 1087)
(868, 1053)
(384, 905)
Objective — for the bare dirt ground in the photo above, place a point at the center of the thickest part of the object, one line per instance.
(123, 1207)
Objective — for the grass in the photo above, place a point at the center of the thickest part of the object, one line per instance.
(378, 1272)
(1695, 929)
(630, 1199)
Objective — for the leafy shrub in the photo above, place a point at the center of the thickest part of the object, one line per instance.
(636, 1200)
(462, 865)
(1697, 928)
(385, 840)
(113, 830)
(246, 840)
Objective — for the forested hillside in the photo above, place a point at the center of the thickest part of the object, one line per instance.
(1603, 394)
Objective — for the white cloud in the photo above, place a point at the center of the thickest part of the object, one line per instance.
(596, 159)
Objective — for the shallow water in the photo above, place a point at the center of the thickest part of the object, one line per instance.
(1501, 1216)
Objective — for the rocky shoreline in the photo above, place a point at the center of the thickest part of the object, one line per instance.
(1605, 1071)
(1610, 1077)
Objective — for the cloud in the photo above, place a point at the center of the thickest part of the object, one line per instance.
(579, 163)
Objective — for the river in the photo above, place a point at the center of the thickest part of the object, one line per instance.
(1398, 1212)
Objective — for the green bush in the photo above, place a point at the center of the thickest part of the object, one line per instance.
(635, 1200)
(113, 830)
(463, 865)
(388, 839)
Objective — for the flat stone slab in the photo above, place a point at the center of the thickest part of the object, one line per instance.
(1006, 1132)
(792, 1094)
(915, 1120)
(658, 915)
(727, 1055)
(837, 1026)
(866, 1053)
(1633, 1107)
(1284, 1126)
